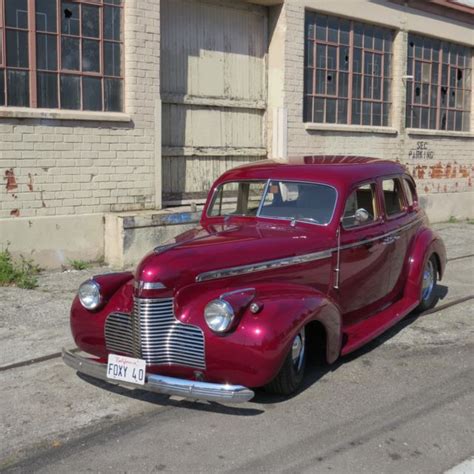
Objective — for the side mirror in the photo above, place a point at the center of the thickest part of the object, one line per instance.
(361, 215)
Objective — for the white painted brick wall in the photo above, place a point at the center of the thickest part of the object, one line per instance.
(63, 167)
(450, 170)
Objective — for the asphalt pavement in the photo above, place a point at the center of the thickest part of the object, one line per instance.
(402, 404)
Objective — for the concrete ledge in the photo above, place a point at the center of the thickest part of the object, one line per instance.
(129, 236)
(438, 133)
(334, 127)
(61, 114)
(52, 241)
(441, 207)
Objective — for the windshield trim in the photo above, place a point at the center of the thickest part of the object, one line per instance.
(262, 201)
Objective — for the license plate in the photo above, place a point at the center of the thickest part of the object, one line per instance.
(126, 369)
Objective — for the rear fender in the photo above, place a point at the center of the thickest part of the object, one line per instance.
(426, 243)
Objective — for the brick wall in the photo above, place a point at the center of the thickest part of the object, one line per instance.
(442, 162)
(56, 167)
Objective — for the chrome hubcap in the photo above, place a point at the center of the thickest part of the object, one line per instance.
(428, 281)
(297, 350)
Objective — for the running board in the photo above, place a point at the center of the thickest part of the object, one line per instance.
(361, 333)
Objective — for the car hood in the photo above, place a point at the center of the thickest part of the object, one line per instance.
(224, 246)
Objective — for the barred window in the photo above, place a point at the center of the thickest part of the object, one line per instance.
(347, 72)
(61, 54)
(439, 95)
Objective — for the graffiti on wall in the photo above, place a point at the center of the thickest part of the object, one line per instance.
(421, 152)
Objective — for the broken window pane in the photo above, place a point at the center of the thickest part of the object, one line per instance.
(70, 58)
(113, 95)
(92, 93)
(46, 52)
(17, 48)
(18, 88)
(46, 16)
(70, 92)
(331, 83)
(47, 87)
(90, 56)
(70, 20)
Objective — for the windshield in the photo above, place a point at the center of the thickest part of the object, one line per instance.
(276, 199)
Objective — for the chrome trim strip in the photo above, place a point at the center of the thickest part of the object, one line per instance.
(285, 262)
(261, 266)
(142, 285)
(166, 385)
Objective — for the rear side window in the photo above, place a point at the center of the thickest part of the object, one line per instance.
(362, 199)
(410, 192)
(393, 197)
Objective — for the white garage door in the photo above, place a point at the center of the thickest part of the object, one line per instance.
(213, 88)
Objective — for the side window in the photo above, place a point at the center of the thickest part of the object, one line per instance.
(362, 199)
(410, 192)
(393, 197)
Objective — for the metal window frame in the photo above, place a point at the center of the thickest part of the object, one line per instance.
(465, 110)
(350, 73)
(33, 33)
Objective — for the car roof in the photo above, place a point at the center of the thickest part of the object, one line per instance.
(336, 170)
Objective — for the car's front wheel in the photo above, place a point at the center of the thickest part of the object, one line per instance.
(291, 374)
(429, 296)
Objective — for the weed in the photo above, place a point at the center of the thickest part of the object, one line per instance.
(453, 220)
(22, 273)
(78, 264)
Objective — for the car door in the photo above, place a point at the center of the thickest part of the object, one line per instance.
(400, 217)
(397, 220)
(364, 257)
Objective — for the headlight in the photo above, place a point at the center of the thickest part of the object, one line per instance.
(89, 295)
(219, 315)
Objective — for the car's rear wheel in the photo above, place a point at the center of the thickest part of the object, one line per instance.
(291, 374)
(429, 282)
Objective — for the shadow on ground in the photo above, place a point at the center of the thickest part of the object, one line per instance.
(314, 373)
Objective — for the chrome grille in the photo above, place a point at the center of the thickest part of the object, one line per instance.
(152, 333)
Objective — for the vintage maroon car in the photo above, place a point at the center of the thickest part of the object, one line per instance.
(315, 255)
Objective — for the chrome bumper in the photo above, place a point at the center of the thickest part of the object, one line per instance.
(166, 385)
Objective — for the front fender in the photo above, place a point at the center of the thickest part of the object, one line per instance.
(254, 351)
(426, 243)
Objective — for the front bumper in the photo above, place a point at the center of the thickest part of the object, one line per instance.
(166, 385)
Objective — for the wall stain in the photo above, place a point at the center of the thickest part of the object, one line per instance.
(30, 182)
(15, 212)
(11, 180)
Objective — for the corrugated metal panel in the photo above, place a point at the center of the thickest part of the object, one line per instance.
(213, 86)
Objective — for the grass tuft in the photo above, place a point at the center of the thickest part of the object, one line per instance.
(22, 273)
(79, 264)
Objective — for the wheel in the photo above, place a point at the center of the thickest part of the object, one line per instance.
(291, 374)
(428, 291)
